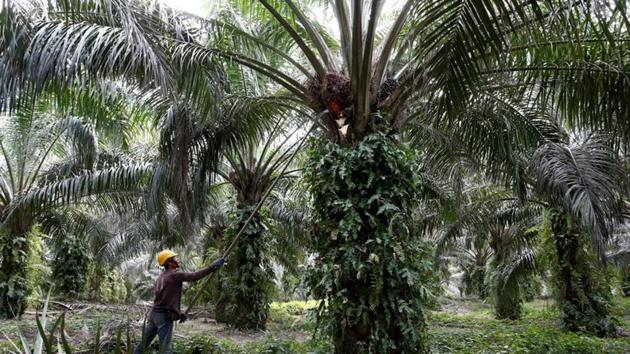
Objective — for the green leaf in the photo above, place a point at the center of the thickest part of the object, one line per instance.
(387, 207)
(64, 341)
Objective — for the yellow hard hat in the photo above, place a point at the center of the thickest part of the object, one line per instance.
(163, 256)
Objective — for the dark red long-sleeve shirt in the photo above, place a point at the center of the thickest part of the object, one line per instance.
(168, 287)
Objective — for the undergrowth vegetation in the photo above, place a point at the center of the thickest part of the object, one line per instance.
(472, 329)
(538, 331)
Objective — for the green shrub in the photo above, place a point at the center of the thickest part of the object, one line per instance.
(106, 284)
(70, 266)
(530, 287)
(531, 339)
(293, 315)
(296, 307)
(38, 272)
(539, 331)
(14, 285)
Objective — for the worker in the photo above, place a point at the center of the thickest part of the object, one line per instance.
(168, 294)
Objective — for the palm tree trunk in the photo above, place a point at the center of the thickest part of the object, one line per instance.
(371, 274)
(507, 300)
(507, 297)
(475, 278)
(180, 163)
(14, 287)
(244, 297)
(584, 299)
(625, 282)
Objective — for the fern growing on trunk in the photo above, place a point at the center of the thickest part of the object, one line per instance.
(373, 275)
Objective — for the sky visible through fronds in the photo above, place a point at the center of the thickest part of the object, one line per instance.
(203, 7)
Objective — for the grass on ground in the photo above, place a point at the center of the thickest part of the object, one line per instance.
(462, 326)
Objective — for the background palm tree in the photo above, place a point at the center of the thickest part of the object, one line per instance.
(44, 164)
(584, 185)
(245, 291)
(486, 232)
(511, 237)
(618, 253)
(51, 157)
(27, 143)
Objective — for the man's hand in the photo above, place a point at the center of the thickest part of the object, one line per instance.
(183, 318)
(219, 262)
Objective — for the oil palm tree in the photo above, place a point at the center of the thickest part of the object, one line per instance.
(244, 292)
(490, 225)
(46, 162)
(512, 238)
(478, 189)
(27, 145)
(618, 253)
(278, 242)
(473, 259)
(460, 148)
(584, 185)
(52, 157)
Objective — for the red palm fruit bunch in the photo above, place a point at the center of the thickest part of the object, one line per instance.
(313, 90)
(334, 92)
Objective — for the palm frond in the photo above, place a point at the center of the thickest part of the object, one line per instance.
(364, 51)
(523, 261)
(83, 141)
(313, 59)
(343, 20)
(500, 132)
(316, 38)
(290, 227)
(456, 34)
(15, 33)
(222, 29)
(191, 51)
(618, 250)
(584, 180)
(389, 42)
(94, 49)
(79, 43)
(80, 154)
(72, 189)
(586, 95)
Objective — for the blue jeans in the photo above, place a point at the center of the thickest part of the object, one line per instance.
(160, 325)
